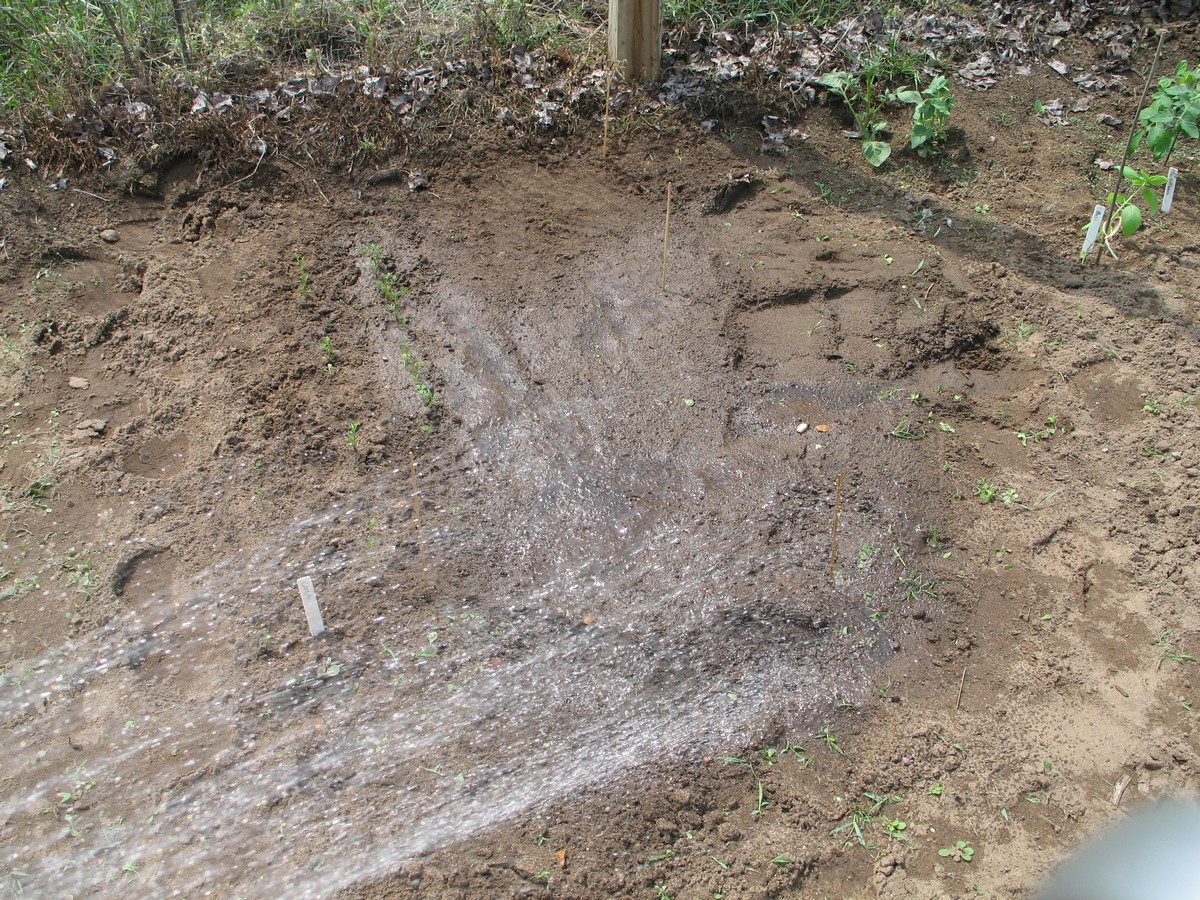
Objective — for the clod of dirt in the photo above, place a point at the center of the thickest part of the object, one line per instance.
(730, 194)
(91, 428)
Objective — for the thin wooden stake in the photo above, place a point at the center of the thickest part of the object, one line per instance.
(962, 681)
(666, 239)
(416, 507)
(607, 113)
(837, 512)
(1162, 35)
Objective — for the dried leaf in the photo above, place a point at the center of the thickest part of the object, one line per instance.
(560, 856)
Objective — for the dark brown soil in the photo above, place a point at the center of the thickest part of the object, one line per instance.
(589, 631)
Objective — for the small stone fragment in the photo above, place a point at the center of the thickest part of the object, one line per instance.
(110, 236)
(801, 428)
(76, 382)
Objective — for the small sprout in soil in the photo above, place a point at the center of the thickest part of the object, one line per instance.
(1168, 651)
(961, 852)
(431, 648)
(894, 828)
(689, 402)
(908, 430)
(1014, 336)
(352, 434)
(935, 790)
(831, 741)
(783, 860)
(1008, 496)
(1151, 405)
(985, 491)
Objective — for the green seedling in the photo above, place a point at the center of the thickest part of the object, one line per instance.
(894, 828)
(830, 740)
(352, 434)
(431, 649)
(985, 491)
(915, 586)
(935, 790)
(908, 430)
(865, 101)
(1168, 651)
(961, 851)
(931, 114)
(1038, 435)
(1008, 496)
(1171, 112)
(1127, 216)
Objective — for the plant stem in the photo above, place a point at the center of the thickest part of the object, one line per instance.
(183, 47)
(1162, 36)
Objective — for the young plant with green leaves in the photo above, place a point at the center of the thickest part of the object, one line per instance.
(931, 114)
(1127, 216)
(1172, 111)
(865, 99)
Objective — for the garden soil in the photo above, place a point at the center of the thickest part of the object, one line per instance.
(858, 523)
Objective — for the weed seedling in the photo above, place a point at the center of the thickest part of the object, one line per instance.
(831, 741)
(908, 430)
(1167, 651)
(985, 491)
(352, 434)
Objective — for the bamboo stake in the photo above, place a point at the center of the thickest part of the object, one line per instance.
(666, 239)
(1100, 245)
(607, 113)
(837, 511)
(962, 681)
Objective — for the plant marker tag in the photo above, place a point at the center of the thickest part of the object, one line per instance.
(1093, 229)
(312, 612)
(1169, 193)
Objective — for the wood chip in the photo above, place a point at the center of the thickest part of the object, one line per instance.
(1119, 789)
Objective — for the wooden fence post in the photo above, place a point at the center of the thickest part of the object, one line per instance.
(635, 37)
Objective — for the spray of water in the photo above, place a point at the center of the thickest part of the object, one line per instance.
(580, 597)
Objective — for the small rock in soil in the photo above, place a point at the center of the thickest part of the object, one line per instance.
(76, 382)
(110, 236)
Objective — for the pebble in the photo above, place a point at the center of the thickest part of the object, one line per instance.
(801, 428)
(110, 236)
(76, 382)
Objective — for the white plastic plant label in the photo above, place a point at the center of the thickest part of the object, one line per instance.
(1169, 193)
(312, 612)
(1089, 240)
